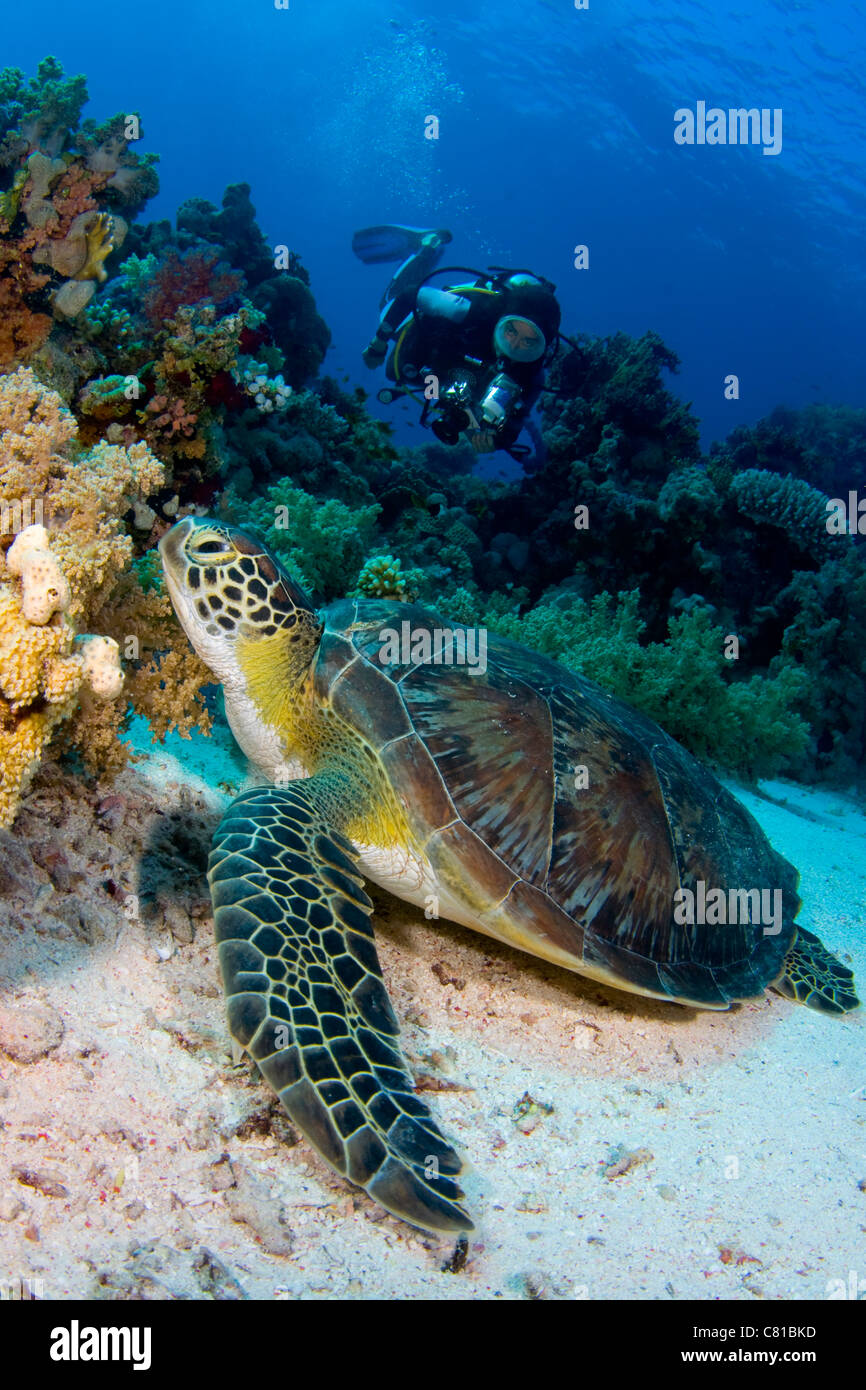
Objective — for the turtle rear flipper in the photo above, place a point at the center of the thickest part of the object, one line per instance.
(306, 999)
(813, 976)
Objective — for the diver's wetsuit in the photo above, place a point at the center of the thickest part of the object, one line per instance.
(447, 327)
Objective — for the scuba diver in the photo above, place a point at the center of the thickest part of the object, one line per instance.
(477, 351)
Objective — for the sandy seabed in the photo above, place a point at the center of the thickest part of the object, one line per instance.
(617, 1147)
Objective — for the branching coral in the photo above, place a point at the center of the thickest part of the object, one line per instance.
(788, 503)
(383, 577)
(68, 579)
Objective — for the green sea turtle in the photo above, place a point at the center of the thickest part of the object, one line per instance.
(520, 799)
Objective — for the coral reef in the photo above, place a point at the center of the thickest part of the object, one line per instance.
(749, 726)
(188, 360)
(61, 198)
(70, 602)
(823, 444)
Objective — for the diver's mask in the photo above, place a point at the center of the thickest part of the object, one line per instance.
(518, 339)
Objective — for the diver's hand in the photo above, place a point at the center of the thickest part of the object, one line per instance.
(482, 441)
(375, 352)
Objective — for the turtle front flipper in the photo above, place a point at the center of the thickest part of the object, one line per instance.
(306, 999)
(814, 976)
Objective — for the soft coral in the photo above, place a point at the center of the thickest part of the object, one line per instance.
(188, 279)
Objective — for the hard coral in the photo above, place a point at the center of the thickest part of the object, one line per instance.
(382, 577)
(791, 504)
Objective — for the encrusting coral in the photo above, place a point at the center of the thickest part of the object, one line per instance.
(68, 579)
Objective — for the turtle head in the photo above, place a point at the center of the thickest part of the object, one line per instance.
(244, 614)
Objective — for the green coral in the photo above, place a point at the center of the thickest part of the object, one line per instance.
(689, 501)
(49, 104)
(322, 543)
(105, 397)
(138, 271)
(149, 572)
(824, 614)
(105, 148)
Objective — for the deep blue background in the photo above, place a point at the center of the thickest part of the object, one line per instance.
(556, 128)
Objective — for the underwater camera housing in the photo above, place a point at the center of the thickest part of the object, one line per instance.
(500, 400)
(453, 414)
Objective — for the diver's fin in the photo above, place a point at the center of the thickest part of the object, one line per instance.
(392, 242)
(813, 976)
(307, 1001)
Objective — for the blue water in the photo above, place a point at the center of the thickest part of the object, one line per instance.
(556, 128)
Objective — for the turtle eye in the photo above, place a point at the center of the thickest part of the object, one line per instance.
(212, 547)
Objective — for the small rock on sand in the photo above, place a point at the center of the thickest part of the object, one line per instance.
(29, 1032)
(250, 1202)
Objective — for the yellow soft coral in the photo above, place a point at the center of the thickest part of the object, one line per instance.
(82, 500)
(37, 428)
(69, 575)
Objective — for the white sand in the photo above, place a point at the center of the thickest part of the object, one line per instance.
(748, 1125)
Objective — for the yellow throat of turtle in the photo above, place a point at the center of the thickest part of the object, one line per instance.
(279, 681)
